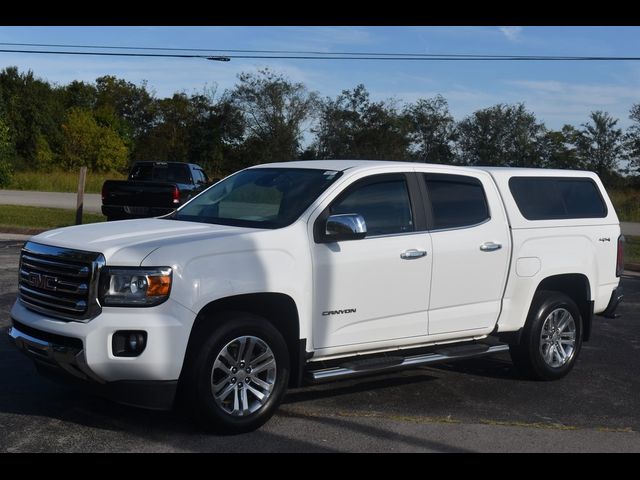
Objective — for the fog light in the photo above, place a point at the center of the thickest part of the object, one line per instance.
(128, 343)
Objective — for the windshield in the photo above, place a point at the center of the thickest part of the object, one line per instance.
(259, 197)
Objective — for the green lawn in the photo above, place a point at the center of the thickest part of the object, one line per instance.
(20, 219)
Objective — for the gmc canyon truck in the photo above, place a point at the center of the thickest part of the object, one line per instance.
(152, 189)
(302, 272)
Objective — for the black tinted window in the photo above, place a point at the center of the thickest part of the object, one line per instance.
(161, 172)
(384, 205)
(456, 200)
(547, 198)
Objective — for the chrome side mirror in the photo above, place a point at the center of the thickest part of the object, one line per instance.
(348, 226)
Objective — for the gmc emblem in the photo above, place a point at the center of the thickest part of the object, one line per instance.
(45, 282)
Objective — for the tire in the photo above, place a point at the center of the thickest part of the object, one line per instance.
(546, 352)
(216, 370)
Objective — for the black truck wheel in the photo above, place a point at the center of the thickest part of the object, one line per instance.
(551, 339)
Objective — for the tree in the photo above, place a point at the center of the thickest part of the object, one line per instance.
(503, 135)
(600, 144)
(632, 139)
(432, 130)
(79, 95)
(126, 107)
(352, 126)
(6, 153)
(86, 143)
(196, 129)
(275, 112)
(558, 149)
(31, 108)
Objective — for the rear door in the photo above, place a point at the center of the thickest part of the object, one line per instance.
(471, 244)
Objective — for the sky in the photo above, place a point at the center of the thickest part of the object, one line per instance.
(557, 92)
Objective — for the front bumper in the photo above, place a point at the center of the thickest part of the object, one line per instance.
(63, 358)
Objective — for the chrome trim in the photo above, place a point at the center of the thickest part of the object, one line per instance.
(334, 373)
(350, 223)
(459, 228)
(58, 267)
(71, 360)
(416, 232)
(51, 259)
(412, 254)
(490, 246)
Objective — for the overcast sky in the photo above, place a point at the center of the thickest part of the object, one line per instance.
(557, 92)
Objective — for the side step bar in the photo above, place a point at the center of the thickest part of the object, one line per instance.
(357, 368)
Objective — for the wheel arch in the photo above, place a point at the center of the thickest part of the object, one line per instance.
(577, 287)
(279, 309)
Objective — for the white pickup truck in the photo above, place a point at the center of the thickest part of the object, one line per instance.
(302, 272)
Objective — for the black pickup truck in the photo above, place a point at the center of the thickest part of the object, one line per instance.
(152, 189)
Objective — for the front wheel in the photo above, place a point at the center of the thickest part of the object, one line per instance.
(240, 374)
(551, 339)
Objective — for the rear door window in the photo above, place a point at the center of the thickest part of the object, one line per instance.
(456, 200)
(550, 198)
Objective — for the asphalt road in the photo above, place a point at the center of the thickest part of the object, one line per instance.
(475, 405)
(92, 201)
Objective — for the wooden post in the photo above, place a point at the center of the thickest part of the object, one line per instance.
(80, 200)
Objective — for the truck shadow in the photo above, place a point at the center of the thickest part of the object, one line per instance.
(353, 387)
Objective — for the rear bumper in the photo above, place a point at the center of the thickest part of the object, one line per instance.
(63, 358)
(616, 297)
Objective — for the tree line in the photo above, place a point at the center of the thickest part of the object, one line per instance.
(111, 123)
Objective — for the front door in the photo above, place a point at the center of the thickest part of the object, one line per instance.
(375, 288)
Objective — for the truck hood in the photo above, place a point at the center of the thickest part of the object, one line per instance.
(128, 242)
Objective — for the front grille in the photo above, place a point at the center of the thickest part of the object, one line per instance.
(59, 282)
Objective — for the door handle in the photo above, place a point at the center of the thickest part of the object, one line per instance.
(490, 246)
(412, 253)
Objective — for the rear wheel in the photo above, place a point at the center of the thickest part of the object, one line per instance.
(239, 375)
(551, 339)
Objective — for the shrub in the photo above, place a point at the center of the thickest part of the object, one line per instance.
(6, 173)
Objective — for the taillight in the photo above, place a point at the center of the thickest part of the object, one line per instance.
(620, 259)
(104, 193)
(176, 195)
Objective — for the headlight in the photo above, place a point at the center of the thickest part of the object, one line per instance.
(134, 287)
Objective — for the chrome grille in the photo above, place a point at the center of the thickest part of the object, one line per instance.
(60, 282)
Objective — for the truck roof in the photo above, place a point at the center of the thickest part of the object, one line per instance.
(342, 165)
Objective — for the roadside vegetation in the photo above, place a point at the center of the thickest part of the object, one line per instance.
(632, 250)
(48, 131)
(60, 181)
(627, 203)
(29, 220)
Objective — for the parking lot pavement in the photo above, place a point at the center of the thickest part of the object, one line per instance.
(474, 405)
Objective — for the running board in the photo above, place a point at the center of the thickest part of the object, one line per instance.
(357, 368)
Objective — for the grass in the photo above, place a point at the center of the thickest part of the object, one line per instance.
(29, 220)
(60, 181)
(632, 249)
